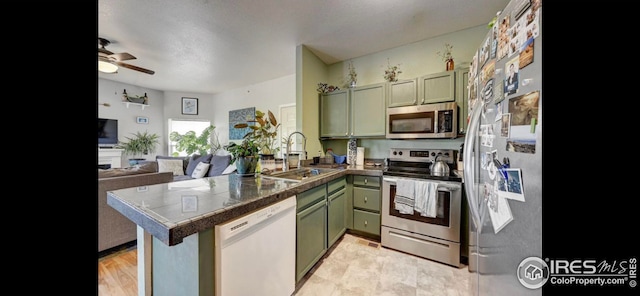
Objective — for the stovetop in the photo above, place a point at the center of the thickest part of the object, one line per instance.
(415, 163)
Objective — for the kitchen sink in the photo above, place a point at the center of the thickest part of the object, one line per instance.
(301, 174)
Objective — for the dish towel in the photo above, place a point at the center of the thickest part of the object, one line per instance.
(426, 194)
(404, 201)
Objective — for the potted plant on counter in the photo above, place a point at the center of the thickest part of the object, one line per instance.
(245, 156)
(142, 143)
(264, 133)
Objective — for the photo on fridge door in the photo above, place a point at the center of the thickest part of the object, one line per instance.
(503, 37)
(505, 125)
(509, 184)
(511, 76)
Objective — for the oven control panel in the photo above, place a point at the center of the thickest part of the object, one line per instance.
(422, 155)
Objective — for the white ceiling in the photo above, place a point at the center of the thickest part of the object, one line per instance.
(211, 46)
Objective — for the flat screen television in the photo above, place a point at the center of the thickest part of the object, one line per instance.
(107, 132)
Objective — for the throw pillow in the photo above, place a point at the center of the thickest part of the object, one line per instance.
(185, 160)
(194, 161)
(230, 169)
(200, 170)
(171, 165)
(218, 164)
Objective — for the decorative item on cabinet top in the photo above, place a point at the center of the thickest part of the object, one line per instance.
(391, 74)
(323, 88)
(352, 76)
(446, 56)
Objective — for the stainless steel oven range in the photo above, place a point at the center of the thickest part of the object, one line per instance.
(436, 237)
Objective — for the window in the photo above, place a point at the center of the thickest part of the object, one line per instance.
(182, 126)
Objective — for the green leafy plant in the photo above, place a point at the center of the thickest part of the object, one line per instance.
(264, 133)
(206, 142)
(142, 143)
(248, 147)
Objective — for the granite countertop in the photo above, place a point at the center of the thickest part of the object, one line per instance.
(172, 211)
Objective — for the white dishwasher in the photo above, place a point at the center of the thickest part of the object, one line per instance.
(256, 253)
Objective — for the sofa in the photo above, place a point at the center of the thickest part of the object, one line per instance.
(114, 229)
(193, 167)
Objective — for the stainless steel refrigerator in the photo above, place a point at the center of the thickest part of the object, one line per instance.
(503, 152)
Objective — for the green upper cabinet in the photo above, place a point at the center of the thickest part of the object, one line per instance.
(356, 112)
(403, 93)
(368, 110)
(334, 114)
(437, 87)
(462, 98)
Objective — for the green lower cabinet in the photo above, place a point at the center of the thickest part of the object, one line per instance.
(311, 239)
(366, 221)
(336, 225)
(366, 202)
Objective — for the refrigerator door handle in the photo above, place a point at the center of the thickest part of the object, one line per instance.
(469, 165)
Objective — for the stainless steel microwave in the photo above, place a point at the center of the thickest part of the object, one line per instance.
(423, 121)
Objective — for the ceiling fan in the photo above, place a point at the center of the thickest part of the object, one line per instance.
(108, 61)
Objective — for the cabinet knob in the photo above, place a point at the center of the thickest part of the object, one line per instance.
(365, 199)
(365, 222)
(365, 180)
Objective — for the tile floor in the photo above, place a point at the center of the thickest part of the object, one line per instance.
(359, 266)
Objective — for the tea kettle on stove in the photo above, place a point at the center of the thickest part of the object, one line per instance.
(439, 167)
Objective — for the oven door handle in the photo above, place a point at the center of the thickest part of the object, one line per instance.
(393, 180)
(441, 186)
(448, 187)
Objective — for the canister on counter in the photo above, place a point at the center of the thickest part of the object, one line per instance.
(360, 156)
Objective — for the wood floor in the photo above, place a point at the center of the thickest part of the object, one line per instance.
(118, 273)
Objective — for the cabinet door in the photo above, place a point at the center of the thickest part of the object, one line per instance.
(334, 114)
(368, 110)
(311, 237)
(438, 87)
(336, 225)
(462, 98)
(403, 93)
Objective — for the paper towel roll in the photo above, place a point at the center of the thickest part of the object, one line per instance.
(360, 156)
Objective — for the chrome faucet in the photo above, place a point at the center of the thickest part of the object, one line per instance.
(285, 164)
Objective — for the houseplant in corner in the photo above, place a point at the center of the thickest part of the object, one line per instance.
(142, 143)
(244, 155)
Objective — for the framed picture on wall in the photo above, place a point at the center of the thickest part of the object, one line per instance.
(189, 106)
(142, 120)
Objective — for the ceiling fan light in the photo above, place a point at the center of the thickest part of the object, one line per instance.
(106, 67)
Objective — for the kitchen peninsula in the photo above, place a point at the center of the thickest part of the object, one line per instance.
(176, 223)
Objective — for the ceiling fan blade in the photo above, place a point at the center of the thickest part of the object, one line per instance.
(132, 67)
(123, 56)
(104, 51)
